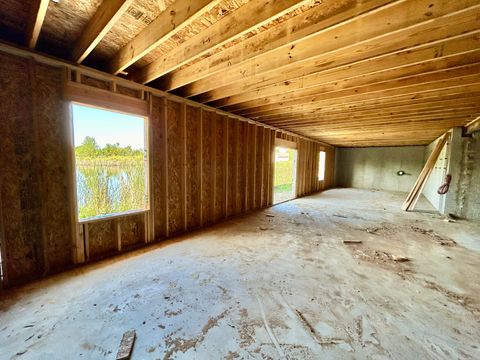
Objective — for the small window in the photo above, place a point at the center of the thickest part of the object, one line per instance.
(111, 162)
(321, 166)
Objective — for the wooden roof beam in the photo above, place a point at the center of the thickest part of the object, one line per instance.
(417, 71)
(420, 83)
(99, 25)
(346, 45)
(458, 49)
(34, 26)
(173, 19)
(460, 93)
(252, 15)
(284, 34)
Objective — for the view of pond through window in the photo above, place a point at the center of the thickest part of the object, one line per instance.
(111, 162)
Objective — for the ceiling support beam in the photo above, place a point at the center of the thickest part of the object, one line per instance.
(453, 51)
(252, 15)
(173, 19)
(37, 16)
(344, 45)
(104, 19)
(286, 33)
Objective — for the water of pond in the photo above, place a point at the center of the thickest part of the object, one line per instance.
(110, 187)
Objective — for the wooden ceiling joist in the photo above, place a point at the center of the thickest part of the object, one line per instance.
(173, 19)
(422, 100)
(413, 72)
(458, 93)
(376, 91)
(104, 19)
(345, 45)
(455, 51)
(325, 119)
(253, 14)
(37, 16)
(287, 33)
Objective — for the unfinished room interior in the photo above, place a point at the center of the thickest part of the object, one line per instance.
(239, 179)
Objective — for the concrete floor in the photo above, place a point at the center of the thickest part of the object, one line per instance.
(263, 287)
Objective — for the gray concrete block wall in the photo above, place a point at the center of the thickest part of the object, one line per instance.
(468, 193)
(376, 167)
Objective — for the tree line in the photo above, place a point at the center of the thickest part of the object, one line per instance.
(90, 149)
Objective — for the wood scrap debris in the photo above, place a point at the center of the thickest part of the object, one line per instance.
(352, 241)
(269, 215)
(340, 216)
(126, 345)
(400, 258)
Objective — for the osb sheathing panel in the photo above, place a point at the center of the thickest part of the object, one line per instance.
(14, 16)
(102, 238)
(176, 168)
(193, 166)
(100, 84)
(64, 22)
(129, 92)
(208, 166)
(51, 114)
(132, 230)
(158, 155)
(138, 16)
(19, 180)
(207, 20)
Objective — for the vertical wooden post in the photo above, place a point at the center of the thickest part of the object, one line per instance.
(184, 164)
(118, 234)
(86, 239)
(165, 164)
(200, 147)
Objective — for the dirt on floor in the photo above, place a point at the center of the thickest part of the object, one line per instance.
(344, 274)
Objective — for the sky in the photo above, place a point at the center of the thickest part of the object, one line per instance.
(107, 127)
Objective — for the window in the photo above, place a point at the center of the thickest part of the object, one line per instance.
(321, 166)
(111, 162)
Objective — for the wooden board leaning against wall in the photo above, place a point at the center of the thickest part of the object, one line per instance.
(204, 166)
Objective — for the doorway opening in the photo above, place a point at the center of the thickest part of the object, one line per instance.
(285, 174)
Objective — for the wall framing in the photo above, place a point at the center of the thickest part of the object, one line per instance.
(205, 166)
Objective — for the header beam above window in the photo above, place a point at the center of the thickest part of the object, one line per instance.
(105, 99)
(286, 143)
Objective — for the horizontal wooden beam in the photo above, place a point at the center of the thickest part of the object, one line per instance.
(253, 14)
(286, 33)
(317, 54)
(436, 106)
(176, 17)
(395, 88)
(467, 112)
(35, 23)
(285, 143)
(106, 99)
(100, 24)
(442, 54)
(458, 92)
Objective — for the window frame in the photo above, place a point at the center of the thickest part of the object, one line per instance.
(322, 165)
(147, 160)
